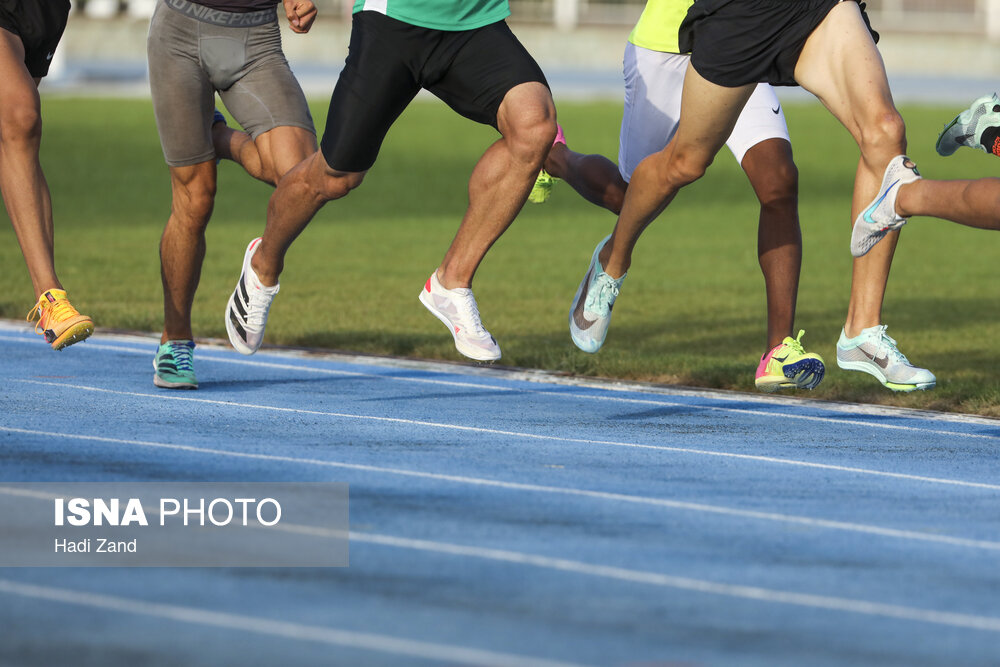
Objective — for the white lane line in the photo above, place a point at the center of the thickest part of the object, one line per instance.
(850, 605)
(615, 399)
(630, 575)
(537, 436)
(810, 522)
(264, 626)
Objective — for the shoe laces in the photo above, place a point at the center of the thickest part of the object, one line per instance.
(888, 344)
(45, 310)
(260, 303)
(602, 294)
(469, 313)
(795, 344)
(183, 355)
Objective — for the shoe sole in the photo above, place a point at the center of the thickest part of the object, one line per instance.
(78, 332)
(165, 384)
(941, 149)
(894, 386)
(471, 353)
(805, 374)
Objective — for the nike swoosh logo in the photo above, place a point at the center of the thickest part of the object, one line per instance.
(579, 317)
(776, 109)
(882, 362)
(878, 201)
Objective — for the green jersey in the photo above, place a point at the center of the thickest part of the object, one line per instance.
(657, 27)
(440, 14)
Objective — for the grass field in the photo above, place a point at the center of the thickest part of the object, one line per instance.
(691, 313)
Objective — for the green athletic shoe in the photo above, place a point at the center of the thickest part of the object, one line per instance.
(542, 189)
(174, 365)
(976, 127)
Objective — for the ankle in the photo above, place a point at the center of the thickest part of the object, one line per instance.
(266, 273)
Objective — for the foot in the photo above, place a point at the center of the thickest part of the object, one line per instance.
(246, 312)
(173, 365)
(58, 321)
(789, 366)
(875, 353)
(542, 189)
(457, 309)
(590, 314)
(976, 127)
(880, 217)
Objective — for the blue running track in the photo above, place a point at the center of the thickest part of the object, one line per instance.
(512, 518)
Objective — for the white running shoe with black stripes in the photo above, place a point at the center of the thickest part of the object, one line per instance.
(246, 312)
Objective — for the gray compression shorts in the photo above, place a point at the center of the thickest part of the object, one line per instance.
(194, 52)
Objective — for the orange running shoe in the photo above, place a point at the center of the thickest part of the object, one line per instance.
(59, 321)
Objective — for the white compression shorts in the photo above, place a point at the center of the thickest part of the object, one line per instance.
(653, 84)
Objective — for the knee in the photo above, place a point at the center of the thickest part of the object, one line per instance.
(683, 168)
(336, 184)
(20, 124)
(193, 203)
(885, 134)
(781, 189)
(531, 132)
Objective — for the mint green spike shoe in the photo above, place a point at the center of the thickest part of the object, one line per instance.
(174, 365)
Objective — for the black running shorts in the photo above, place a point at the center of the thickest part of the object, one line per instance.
(40, 25)
(738, 42)
(389, 61)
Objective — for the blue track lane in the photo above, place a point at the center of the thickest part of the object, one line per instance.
(503, 518)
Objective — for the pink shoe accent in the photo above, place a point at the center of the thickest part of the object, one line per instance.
(560, 137)
(427, 285)
(764, 360)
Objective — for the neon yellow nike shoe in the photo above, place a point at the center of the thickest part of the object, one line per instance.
(542, 189)
(789, 366)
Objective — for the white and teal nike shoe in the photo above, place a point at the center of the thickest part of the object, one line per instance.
(590, 314)
(976, 127)
(880, 217)
(874, 352)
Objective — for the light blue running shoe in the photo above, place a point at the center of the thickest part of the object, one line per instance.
(976, 127)
(874, 352)
(880, 217)
(590, 314)
(174, 365)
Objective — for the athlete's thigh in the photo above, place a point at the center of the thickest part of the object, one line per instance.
(841, 66)
(267, 95)
(708, 114)
(374, 88)
(761, 119)
(474, 70)
(17, 87)
(654, 82)
(284, 147)
(183, 97)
